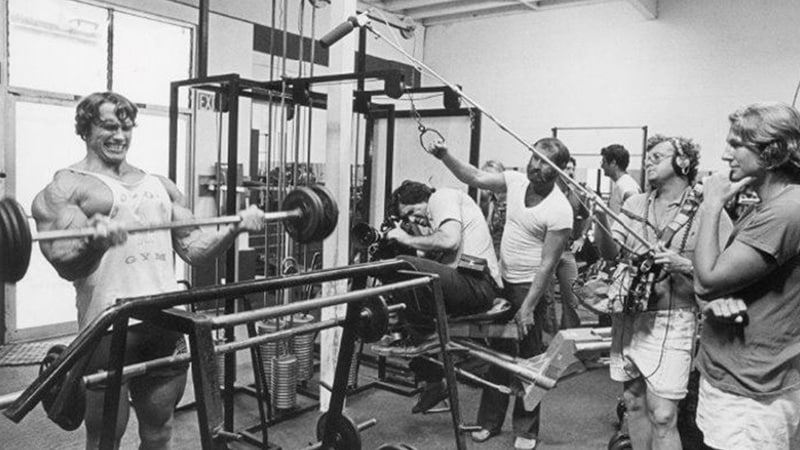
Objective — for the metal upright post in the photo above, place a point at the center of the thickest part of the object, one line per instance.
(232, 102)
(447, 361)
(112, 396)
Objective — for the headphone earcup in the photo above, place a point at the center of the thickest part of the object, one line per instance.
(681, 164)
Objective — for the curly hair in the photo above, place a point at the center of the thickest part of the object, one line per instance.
(681, 146)
(771, 130)
(409, 193)
(616, 153)
(88, 110)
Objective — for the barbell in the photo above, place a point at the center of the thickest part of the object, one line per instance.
(309, 213)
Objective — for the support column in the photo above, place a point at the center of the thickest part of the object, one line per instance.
(338, 157)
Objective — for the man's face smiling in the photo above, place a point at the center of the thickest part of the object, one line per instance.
(109, 138)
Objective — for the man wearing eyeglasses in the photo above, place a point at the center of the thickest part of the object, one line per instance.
(103, 191)
(652, 344)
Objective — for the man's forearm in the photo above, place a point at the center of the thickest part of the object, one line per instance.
(429, 242)
(201, 247)
(538, 286)
(707, 250)
(466, 173)
(73, 258)
(603, 238)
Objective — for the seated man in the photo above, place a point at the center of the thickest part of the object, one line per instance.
(457, 229)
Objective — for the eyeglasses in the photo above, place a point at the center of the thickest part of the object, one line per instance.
(655, 158)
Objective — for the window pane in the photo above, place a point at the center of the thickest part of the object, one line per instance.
(57, 45)
(148, 55)
(149, 149)
(45, 142)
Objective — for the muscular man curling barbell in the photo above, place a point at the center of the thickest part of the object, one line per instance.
(106, 192)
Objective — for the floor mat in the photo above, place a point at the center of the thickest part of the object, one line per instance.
(28, 353)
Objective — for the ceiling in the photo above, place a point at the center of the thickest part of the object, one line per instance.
(434, 12)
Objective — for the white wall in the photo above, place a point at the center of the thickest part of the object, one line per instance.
(605, 64)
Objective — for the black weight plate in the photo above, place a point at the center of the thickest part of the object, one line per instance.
(5, 236)
(346, 435)
(375, 323)
(50, 395)
(10, 261)
(25, 244)
(306, 228)
(330, 208)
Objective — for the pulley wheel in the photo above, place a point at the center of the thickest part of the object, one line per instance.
(346, 435)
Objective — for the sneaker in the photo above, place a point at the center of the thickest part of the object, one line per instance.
(388, 339)
(521, 443)
(406, 347)
(432, 394)
(482, 435)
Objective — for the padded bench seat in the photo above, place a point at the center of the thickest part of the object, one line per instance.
(492, 323)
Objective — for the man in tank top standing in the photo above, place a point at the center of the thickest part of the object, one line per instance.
(103, 191)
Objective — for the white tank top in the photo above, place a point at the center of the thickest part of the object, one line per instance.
(144, 265)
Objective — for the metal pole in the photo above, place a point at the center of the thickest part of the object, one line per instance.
(586, 192)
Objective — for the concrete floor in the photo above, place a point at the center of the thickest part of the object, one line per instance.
(578, 414)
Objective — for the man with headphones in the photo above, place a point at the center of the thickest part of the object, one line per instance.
(749, 355)
(652, 348)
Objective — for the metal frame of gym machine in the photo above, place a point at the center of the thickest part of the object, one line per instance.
(228, 89)
(160, 309)
(377, 111)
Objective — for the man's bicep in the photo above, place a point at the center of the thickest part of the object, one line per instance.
(492, 181)
(52, 209)
(175, 195)
(450, 233)
(554, 243)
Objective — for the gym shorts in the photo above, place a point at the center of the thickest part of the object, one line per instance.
(656, 346)
(145, 342)
(735, 421)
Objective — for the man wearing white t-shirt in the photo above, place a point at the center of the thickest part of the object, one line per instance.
(615, 166)
(537, 228)
(458, 229)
